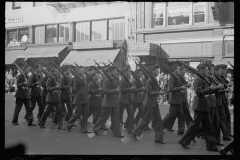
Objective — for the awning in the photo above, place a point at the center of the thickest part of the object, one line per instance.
(38, 52)
(87, 58)
(11, 55)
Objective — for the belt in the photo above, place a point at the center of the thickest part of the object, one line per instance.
(206, 95)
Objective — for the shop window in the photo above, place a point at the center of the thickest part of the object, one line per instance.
(64, 32)
(99, 30)
(198, 13)
(12, 36)
(23, 35)
(116, 29)
(229, 47)
(178, 15)
(158, 14)
(51, 33)
(82, 31)
(16, 5)
(38, 4)
(39, 34)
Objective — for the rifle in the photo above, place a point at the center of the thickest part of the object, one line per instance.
(106, 75)
(136, 78)
(113, 75)
(61, 72)
(170, 72)
(25, 78)
(120, 72)
(46, 73)
(31, 70)
(231, 65)
(98, 70)
(73, 72)
(196, 72)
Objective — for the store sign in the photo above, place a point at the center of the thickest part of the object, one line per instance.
(228, 32)
(139, 46)
(93, 44)
(13, 19)
(179, 10)
(14, 44)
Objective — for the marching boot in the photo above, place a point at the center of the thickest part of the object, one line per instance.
(226, 148)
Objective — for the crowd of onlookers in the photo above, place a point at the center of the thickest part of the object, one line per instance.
(11, 81)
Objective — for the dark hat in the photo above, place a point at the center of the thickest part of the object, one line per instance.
(183, 67)
(153, 67)
(125, 68)
(210, 65)
(223, 66)
(174, 66)
(217, 67)
(137, 71)
(110, 68)
(203, 65)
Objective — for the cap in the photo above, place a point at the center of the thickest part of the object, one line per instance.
(110, 68)
(211, 65)
(223, 66)
(137, 71)
(125, 68)
(203, 65)
(183, 67)
(174, 66)
(153, 67)
(217, 67)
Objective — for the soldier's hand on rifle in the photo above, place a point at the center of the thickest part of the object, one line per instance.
(100, 88)
(144, 88)
(133, 87)
(26, 83)
(58, 86)
(220, 85)
(161, 92)
(228, 90)
(229, 84)
(118, 89)
(183, 87)
(212, 87)
(188, 85)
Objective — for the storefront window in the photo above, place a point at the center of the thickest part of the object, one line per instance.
(39, 34)
(198, 13)
(178, 15)
(229, 47)
(99, 30)
(16, 5)
(64, 32)
(82, 31)
(116, 29)
(51, 34)
(158, 14)
(23, 35)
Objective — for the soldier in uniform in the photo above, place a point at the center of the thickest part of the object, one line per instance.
(52, 99)
(109, 105)
(23, 97)
(124, 99)
(66, 95)
(80, 101)
(136, 96)
(175, 100)
(44, 90)
(36, 92)
(201, 109)
(95, 97)
(152, 109)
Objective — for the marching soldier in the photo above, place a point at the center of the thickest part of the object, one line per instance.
(52, 99)
(124, 99)
(23, 97)
(201, 109)
(44, 90)
(80, 101)
(175, 100)
(152, 109)
(36, 92)
(95, 97)
(109, 105)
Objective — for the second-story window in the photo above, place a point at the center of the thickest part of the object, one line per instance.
(39, 34)
(99, 30)
(198, 12)
(82, 31)
(116, 29)
(64, 32)
(158, 14)
(16, 5)
(178, 15)
(51, 33)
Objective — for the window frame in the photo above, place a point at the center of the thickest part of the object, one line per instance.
(13, 5)
(108, 27)
(89, 31)
(44, 28)
(64, 37)
(105, 38)
(205, 14)
(57, 28)
(164, 7)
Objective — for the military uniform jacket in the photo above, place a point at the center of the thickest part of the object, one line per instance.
(94, 95)
(65, 92)
(43, 83)
(144, 81)
(124, 95)
(136, 96)
(201, 101)
(22, 93)
(175, 96)
(183, 95)
(80, 91)
(35, 89)
(110, 94)
(52, 92)
(151, 94)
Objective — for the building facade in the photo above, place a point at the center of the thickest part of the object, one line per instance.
(187, 31)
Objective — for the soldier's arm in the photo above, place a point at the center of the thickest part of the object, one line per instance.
(63, 86)
(134, 82)
(48, 85)
(172, 88)
(106, 89)
(150, 92)
(123, 85)
(19, 81)
(92, 89)
(198, 88)
(31, 82)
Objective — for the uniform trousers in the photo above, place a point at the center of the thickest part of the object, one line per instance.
(39, 102)
(138, 116)
(175, 110)
(44, 102)
(19, 104)
(129, 108)
(228, 115)
(80, 110)
(115, 124)
(140, 110)
(95, 112)
(215, 122)
(158, 128)
(46, 113)
(204, 118)
(223, 121)
(68, 113)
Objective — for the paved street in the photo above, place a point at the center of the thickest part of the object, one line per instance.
(53, 141)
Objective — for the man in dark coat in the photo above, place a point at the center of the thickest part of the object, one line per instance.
(80, 101)
(152, 109)
(175, 100)
(23, 97)
(36, 92)
(109, 105)
(52, 99)
(201, 108)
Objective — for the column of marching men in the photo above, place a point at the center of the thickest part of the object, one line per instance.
(102, 95)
